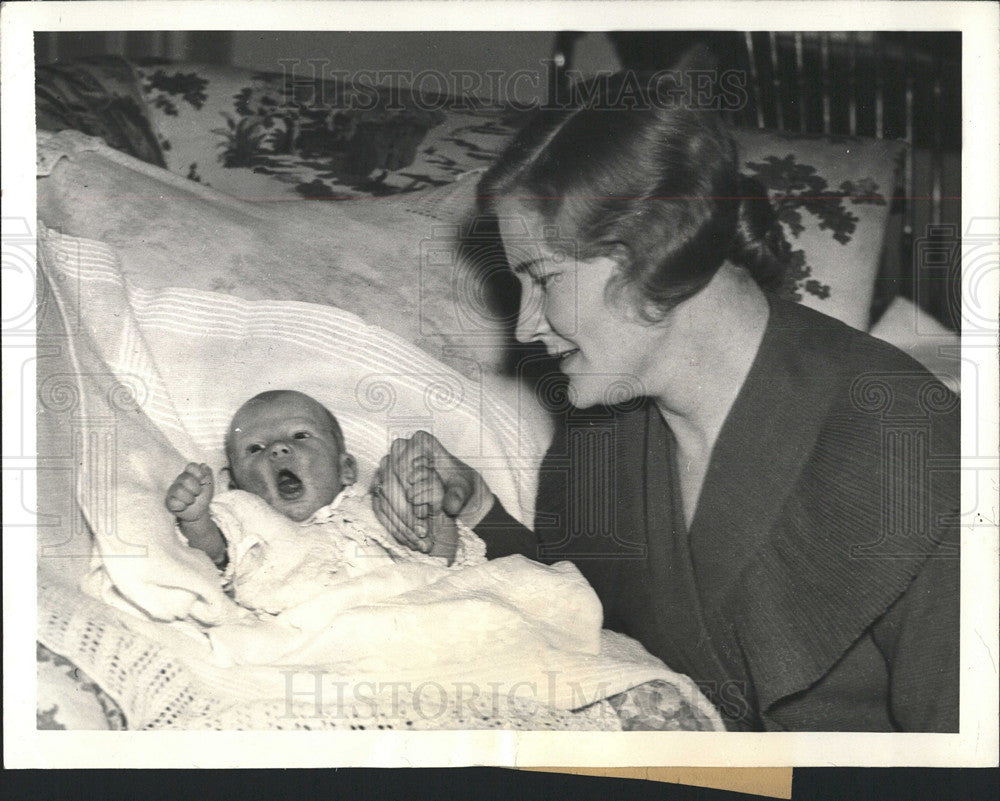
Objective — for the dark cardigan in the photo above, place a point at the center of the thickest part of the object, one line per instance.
(817, 588)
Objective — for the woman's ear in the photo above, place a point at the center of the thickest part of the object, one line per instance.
(348, 469)
(619, 293)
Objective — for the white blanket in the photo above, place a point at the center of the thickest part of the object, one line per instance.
(152, 380)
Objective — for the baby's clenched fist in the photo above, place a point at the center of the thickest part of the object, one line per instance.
(191, 493)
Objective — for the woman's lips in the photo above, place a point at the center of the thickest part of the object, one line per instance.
(565, 356)
(290, 486)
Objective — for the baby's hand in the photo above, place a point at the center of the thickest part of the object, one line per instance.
(189, 496)
(443, 536)
(427, 495)
(436, 533)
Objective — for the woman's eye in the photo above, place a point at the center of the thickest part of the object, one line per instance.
(302, 435)
(254, 448)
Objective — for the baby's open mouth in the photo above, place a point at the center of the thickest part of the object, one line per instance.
(290, 486)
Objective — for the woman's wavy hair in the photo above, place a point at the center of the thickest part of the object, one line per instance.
(654, 185)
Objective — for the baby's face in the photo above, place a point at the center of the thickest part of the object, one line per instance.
(284, 450)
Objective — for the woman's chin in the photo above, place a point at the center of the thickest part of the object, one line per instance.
(584, 394)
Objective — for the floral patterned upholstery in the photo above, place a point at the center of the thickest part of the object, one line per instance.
(68, 699)
(260, 136)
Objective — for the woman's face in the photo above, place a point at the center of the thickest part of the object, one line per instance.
(608, 355)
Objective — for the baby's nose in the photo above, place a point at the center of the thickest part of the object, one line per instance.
(279, 449)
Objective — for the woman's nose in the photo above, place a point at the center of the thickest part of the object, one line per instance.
(280, 449)
(531, 323)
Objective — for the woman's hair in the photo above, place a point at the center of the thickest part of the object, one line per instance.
(650, 181)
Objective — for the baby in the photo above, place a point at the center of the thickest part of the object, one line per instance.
(288, 462)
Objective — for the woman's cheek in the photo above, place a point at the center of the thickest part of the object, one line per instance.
(560, 312)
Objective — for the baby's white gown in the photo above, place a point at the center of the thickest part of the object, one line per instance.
(276, 563)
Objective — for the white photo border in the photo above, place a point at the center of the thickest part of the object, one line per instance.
(977, 742)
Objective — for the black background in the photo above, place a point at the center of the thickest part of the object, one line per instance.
(481, 783)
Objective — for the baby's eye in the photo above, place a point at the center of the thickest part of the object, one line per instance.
(254, 448)
(302, 435)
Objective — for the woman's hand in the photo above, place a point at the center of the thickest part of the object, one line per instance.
(417, 480)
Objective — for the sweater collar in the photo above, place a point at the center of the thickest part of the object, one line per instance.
(789, 583)
(763, 445)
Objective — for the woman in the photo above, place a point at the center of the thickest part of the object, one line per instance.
(758, 493)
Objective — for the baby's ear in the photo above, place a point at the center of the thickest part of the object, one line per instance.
(348, 469)
(226, 476)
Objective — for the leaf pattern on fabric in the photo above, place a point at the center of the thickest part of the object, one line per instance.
(350, 131)
(796, 187)
(656, 706)
(49, 718)
(320, 138)
(241, 141)
(163, 87)
(46, 719)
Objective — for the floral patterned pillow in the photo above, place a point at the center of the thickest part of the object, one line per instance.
(259, 136)
(833, 196)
